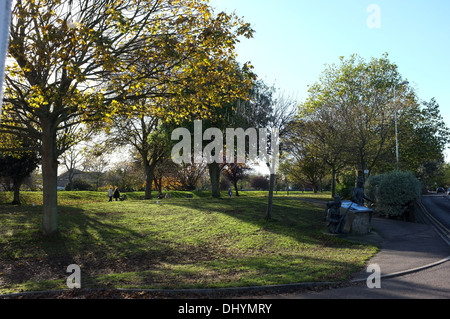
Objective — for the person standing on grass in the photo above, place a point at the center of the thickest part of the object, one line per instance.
(116, 193)
(110, 194)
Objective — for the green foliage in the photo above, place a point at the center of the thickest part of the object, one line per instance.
(444, 179)
(18, 166)
(344, 189)
(348, 121)
(259, 183)
(15, 167)
(393, 192)
(423, 138)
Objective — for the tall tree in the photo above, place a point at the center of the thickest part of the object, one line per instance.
(320, 134)
(282, 112)
(353, 102)
(79, 60)
(423, 138)
(250, 111)
(146, 134)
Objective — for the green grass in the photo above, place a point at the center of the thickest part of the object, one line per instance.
(177, 243)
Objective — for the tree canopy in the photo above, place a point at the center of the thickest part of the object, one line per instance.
(351, 116)
(81, 61)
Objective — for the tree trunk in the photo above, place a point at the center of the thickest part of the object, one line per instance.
(70, 184)
(269, 204)
(50, 178)
(214, 174)
(236, 188)
(158, 184)
(333, 181)
(16, 187)
(149, 176)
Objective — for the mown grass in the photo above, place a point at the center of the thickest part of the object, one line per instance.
(172, 243)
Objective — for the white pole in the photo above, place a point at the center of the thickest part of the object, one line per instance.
(396, 127)
(5, 19)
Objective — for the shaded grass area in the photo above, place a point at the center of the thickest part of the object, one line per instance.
(177, 243)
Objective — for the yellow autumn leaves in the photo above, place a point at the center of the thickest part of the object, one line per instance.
(176, 55)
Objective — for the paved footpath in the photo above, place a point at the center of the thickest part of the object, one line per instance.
(414, 263)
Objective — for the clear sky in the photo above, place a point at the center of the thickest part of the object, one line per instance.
(294, 39)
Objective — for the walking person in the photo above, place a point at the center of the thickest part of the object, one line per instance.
(116, 194)
(110, 194)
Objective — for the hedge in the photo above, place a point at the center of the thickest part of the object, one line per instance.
(393, 192)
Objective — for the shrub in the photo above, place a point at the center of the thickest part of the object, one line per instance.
(80, 184)
(393, 192)
(259, 183)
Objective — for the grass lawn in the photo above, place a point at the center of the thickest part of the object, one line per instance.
(177, 243)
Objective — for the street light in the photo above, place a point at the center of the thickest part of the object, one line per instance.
(396, 130)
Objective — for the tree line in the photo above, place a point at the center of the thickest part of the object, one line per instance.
(360, 119)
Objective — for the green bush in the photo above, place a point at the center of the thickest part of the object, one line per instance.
(393, 192)
(80, 185)
(344, 189)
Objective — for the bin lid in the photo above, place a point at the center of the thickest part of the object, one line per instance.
(355, 207)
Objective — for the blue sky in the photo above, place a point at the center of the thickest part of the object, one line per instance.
(294, 40)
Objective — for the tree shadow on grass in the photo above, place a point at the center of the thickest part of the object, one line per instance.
(232, 272)
(92, 241)
(300, 221)
(111, 253)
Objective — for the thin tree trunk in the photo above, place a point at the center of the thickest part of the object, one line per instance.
(333, 181)
(158, 184)
(236, 188)
(269, 204)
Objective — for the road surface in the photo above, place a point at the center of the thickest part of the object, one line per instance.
(438, 205)
(436, 212)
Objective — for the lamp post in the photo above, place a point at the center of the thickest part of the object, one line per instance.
(396, 129)
(5, 18)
